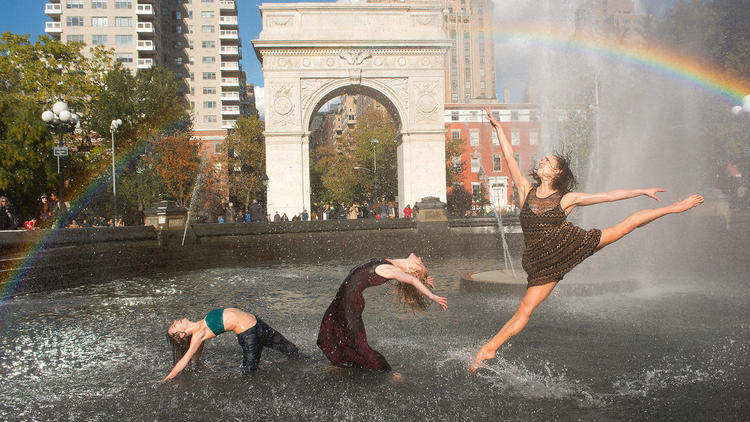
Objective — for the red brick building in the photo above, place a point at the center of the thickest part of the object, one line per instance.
(520, 123)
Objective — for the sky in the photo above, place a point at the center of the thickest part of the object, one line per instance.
(27, 17)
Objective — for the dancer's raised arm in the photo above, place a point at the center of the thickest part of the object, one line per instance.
(581, 199)
(522, 183)
(394, 273)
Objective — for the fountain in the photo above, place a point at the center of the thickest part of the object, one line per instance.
(676, 348)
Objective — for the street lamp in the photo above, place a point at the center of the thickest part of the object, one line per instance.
(374, 160)
(112, 129)
(60, 119)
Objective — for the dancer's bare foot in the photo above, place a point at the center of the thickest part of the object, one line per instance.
(482, 355)
(397, 377)
(687, 203)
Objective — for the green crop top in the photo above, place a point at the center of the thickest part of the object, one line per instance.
(215, 321)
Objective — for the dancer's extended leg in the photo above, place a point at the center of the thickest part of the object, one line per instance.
(534, 296)
(643, 217)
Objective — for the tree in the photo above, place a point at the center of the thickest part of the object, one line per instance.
(32, 77)
(454, 149)
(175, 158)
(246, 160)
(459, 200)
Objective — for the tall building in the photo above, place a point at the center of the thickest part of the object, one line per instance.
(197, 39)
(610, 18)
(470, 63)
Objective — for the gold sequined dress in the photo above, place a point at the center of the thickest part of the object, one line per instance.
(553, 245)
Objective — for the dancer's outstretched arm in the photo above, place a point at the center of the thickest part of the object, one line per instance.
(522, 183)
(393, 273)
(580, 199)
(195, 345)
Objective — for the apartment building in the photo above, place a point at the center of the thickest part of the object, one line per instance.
(610, 18)
(197, 39)
(482, 161)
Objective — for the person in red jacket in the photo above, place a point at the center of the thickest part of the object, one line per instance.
(407, 211)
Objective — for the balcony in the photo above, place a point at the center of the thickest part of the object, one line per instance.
(145, 28)
(53, 9)
(145, 63)
(145, 45)
(230, 82)
(230, 96)
(229, 34)
(230, 66)
(144, 10)
(230, 110)
(53, 27)
(228, 124)
(227, 5)
(230, 50)
(228, 20)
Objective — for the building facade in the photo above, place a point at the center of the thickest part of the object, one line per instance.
(482, 160)
(197, 39)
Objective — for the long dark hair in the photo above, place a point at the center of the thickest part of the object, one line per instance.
(180, 346)
(565, 181)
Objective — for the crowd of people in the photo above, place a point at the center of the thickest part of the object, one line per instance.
(53, 213)
(256, 212)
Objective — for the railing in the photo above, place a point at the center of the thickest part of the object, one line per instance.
(230, 66)
(144, 9)
(230, 81)
(230, 50)
(145, 45)
(228, 20)
(231, 34)
(230, 109)
(53, 8)
(228, 124)
(226, 4)
(235, 96)
(145, 27)
(53, 27)
(145, 63)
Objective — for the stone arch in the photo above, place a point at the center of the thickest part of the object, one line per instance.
(312, 52)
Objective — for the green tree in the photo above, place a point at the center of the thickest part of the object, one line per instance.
(454, 149)
(175, 158)
(246, 160)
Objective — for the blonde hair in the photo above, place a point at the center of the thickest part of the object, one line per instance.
(409, 298)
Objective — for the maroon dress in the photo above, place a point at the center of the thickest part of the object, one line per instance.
(342, 336)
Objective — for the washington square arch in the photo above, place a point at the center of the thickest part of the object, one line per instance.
(314, 52)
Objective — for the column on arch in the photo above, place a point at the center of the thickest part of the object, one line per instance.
(421, 167)
(288, 170)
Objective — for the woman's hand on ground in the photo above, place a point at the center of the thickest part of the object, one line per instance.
(440, 301)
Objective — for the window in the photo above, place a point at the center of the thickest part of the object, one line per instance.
(178, 29)
(123, 39)
(454, 72)
(124, 57)
(515, 136)
(218, 148)
(190, 29)
(454, 84)
(468, 84)
(474, 137)
(98, 39)
(476, 189)
(192, 76)
(74, 4)
(497, 162)
(475, 164)
(207, 1)
(100, 21)
(481, 85)
(123, 4)
(453, 59)
(210, 118)
(533, 137)
(75, 38)
(209, 60)
(209, 104)
(481, 73)
(513, 115)
(481, 47)
(191, 44)
(467, 60)
(481, 59)
(454, 116)
(466, 35)
(74, 21)
(178, 15)
(209, 75)
(192, 90)
(456, 134)
(454, 98)
(453, 35)
(209, 90)
(190, 14)
(208, 44)
(207, 28)
(495, 140)
(123, 21)
(207, 14)
(98, 4)
(178, 60)
(191, 59)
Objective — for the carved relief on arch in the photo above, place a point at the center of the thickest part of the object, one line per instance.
(355, 57)
(282, 105)
(309, 86)
(427, 104)
(398, 86)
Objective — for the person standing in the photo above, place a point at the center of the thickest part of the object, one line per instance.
(407, 211)
(8, 218)
(256, 211)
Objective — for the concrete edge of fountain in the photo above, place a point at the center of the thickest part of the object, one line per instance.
(503, 281)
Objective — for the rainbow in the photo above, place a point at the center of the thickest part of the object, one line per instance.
(684, 69)
(80, 199)
(687, 70)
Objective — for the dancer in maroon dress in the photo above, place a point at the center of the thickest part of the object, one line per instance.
(342, 336)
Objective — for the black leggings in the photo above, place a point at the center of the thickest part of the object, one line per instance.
(261, 335)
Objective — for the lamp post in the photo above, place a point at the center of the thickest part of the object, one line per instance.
(264, 182)
(60, 120)
(374, 160)
(112, 129)
(482, 179)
